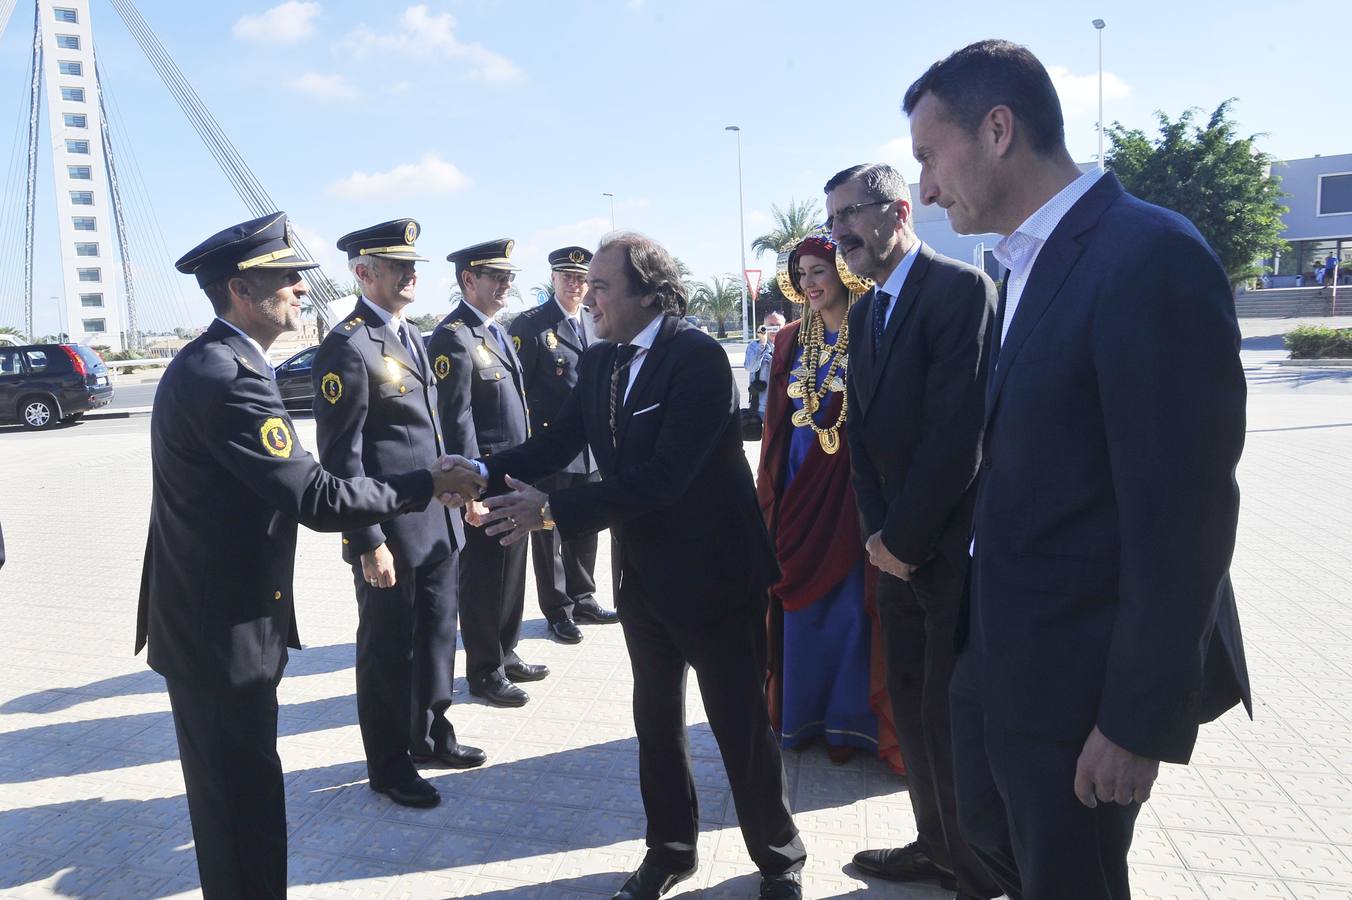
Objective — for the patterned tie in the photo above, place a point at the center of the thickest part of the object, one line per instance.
(881, 301)
(624, 357)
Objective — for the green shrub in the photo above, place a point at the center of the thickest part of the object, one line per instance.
(1318, 342)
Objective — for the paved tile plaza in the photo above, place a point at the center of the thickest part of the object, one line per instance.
(91, 795)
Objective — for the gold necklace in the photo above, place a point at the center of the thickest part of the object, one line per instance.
(816, 353)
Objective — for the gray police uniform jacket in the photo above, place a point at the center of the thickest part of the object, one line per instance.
(230, 481)
(375, 412)
(549, 351)
(479, 386)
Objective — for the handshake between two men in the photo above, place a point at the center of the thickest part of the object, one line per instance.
(457, 481)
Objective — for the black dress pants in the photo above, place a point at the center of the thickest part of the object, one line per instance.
(918, 620)
(406, 666)
(492, 600)
(1017, 807)
(728, 657)
(564, 570)
(227, 745)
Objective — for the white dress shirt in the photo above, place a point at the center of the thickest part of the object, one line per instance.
(644, 342)
(897, 280)
(257, 346)
(1018, 252)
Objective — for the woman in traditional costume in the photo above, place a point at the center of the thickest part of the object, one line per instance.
(826, 679)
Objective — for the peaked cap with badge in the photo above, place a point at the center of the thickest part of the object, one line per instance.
(262, 243)
(496, 255)
(388, 240)
(570, 259)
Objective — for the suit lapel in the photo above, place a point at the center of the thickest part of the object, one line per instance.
(861, 365)
(1053, 265)
(386, 341)
(652, 361)
(563, 329)
(244, 350)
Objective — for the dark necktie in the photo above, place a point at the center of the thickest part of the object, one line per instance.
(881, 301)
(408, 343)
(576, 325)
(619, 374)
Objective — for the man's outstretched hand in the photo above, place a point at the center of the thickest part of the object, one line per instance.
(456, 480)
(517, 514)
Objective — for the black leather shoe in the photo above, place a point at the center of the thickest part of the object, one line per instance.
(566, 631)
(520, 671)
(457, 756)
(500, 692)
(418, 793)
(650, 882)
(784, 886)
(594, 613)
(909, 863)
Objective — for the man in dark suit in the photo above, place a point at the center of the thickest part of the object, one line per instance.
(915, 383)
(375, 412)
(230, 482)
(482, 400)
(659, 409)
(549, 339)
(1101, 627)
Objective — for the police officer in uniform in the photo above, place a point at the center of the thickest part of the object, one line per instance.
(375, 412)
(549, 339)
(482, 399)
(230, 483)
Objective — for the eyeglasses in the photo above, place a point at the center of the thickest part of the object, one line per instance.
(499, 277)
(847, 214)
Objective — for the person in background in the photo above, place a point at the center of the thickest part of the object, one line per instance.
(759, 354)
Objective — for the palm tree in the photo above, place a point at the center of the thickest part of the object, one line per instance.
(791, 226)
(719, 299)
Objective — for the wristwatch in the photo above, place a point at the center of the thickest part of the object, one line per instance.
(546, 518)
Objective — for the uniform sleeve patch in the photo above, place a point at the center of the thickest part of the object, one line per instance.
(441, 367)
(276, 437)
(332, 387)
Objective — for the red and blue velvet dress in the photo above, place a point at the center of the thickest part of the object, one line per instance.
(826, 678)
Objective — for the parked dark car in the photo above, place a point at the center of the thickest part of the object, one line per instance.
(293, 381)
(42, 384)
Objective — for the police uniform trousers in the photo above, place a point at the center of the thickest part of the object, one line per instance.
(918, 620)
(405, 666)
(728, 656)
(227, 745)
(492, 599)
(563, 569)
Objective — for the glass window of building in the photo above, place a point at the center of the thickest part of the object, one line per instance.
(82, 198)
(95, 326)
(80, 173)
(75, 120)
(92, 300)
(84, 223)
(74, 95)
(67, 15)
(86, 248)
(90, 274)
(77, 146)
(68, 41)
(70, 67)
(1335, 194)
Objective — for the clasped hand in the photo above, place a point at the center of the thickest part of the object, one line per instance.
(456, 480)
(883, 559)
(514, 515)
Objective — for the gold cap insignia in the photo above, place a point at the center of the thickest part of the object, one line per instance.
(276, 437)
(551, 340)
(441, 367)
(576, 256)
(331, 387)
(507, 250)
(411, 233)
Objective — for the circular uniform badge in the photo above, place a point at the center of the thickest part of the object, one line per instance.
(276, 437)
(332, 387)
(410, 232)
(441, 367)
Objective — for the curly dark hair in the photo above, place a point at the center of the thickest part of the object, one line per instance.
(651, 270)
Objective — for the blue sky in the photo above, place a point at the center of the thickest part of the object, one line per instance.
(491, 118)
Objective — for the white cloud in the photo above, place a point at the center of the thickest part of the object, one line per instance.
(289, 23)
(1079, 93)
(422, 35)
(326, 87)
(895, 150)
(429, 175)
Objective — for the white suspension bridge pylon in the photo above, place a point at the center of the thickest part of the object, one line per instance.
(85, 167)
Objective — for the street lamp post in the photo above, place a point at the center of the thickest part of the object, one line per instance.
(612, 208)
(1099, 26)
(741, 229)
(61, 318)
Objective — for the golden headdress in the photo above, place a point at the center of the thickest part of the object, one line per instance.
(819, 243)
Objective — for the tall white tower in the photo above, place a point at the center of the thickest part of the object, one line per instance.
(90, 265)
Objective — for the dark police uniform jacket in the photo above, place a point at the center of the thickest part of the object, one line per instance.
(550, 352)
(230, 481)
(375, 413)
(479, 387)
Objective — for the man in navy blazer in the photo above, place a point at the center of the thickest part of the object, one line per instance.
(1101, 627)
